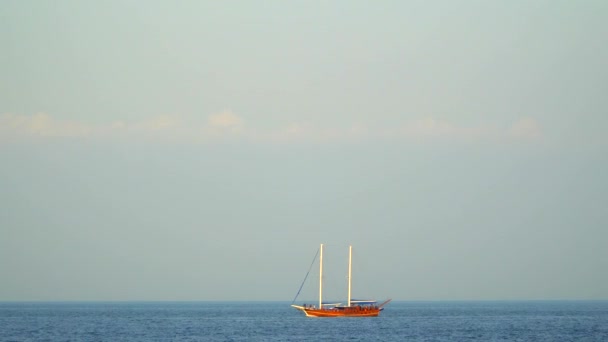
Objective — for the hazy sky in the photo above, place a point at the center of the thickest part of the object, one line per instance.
(196, 150)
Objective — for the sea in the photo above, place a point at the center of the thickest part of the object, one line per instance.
(277, 321)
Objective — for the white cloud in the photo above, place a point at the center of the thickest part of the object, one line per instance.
(156, 124)
(41, 125)
(225, 119)
(227, 125)
(45, 126)
(305, 132)
(292, 132)
(219, 127)
(526, 128)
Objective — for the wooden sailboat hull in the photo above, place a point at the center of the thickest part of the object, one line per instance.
(355, 311)
(341, 313)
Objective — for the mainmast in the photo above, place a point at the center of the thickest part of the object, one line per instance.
(350, 263)
(321, 277)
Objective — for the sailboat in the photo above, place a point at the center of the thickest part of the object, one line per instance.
(353, 308)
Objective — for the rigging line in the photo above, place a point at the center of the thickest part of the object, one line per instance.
(303, 281)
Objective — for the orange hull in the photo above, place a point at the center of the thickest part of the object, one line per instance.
(354, 311)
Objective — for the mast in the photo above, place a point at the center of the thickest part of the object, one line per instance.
(321, 277)
(350, 263)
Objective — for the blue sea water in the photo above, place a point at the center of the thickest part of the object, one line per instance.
(276, 321)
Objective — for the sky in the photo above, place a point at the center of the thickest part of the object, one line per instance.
(202, 150)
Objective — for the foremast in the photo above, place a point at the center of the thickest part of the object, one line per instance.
(321, 277)
(350, 263)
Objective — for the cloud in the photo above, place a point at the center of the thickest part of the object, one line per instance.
(429, 128)
(226, 125)
(290, 133)
(301, 132)
(526, 128)
(155, 124)
(225, 119)
(221, 126)
(41, 125)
